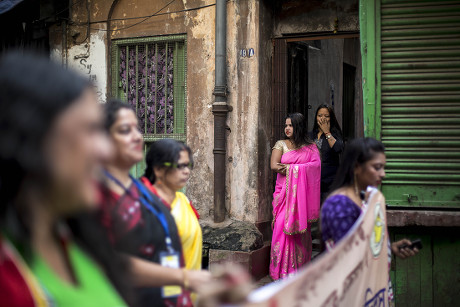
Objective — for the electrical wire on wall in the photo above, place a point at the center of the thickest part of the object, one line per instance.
(88, 23)
(144, 18)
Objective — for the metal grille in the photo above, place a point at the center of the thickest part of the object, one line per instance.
(150, 75)
(420, 98)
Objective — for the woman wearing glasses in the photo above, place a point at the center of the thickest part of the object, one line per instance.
(139, 224)
(169, 163)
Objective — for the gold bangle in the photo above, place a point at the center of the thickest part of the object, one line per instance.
(186, 281)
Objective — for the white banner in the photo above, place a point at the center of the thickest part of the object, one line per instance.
(353, 273)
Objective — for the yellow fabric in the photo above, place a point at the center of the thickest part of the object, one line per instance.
(189, 231)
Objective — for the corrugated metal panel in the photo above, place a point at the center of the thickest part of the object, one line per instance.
(420, 101)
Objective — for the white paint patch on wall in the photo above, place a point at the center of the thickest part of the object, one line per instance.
(91, 61)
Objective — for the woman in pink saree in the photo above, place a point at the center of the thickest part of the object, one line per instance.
(296, 201)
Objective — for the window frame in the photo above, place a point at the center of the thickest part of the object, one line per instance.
(179, 70)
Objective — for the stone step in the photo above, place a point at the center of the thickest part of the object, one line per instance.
(316, 244)
(314, 254)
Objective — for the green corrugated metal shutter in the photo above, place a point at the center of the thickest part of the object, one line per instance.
(420, 102)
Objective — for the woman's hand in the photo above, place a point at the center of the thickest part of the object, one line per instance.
(282, 168)
(231, 285)
(403, 252)
(325, 125)
(193, 280)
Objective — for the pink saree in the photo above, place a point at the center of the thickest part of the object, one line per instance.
(296, 203)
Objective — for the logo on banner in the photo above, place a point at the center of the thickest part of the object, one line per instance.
(378, 232)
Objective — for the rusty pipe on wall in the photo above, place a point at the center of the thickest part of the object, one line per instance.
(220, 109)
(109, 49)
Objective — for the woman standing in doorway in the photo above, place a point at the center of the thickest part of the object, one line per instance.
(328, 137)
(296, 199)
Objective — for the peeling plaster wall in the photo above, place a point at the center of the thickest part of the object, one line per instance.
(200, 125)
(243, 173)
(250, 24)
(82, 51)
(243, 83)
(300, 16)
(265, 118)
(90, 60)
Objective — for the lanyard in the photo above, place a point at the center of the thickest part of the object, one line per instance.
(146, 198)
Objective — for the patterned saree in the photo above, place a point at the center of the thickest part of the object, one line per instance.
(296, 204)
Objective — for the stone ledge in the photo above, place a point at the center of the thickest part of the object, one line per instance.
(232, 235)
(256, 262)
(402, 218)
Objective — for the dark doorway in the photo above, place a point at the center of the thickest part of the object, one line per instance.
(310, 71)
(298, 79)
(348, 106)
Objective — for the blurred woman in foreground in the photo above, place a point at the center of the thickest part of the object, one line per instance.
(139, 224)
(52, 144)
(363, 165)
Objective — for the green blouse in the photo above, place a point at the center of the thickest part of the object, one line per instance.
(93, 288)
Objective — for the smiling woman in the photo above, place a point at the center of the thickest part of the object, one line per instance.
(51, 148)
(138, 223)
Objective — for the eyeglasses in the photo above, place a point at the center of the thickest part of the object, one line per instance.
(180, 166)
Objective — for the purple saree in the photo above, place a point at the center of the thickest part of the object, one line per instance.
(295, 205)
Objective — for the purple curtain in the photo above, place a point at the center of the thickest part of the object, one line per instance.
(156, 67)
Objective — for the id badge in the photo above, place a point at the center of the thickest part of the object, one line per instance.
(170, 260)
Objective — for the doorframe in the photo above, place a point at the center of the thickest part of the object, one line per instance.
(279, 69)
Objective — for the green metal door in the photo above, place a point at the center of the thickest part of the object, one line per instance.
(412, 97)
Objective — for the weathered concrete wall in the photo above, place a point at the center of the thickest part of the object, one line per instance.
(92, 57)
(265, 120)
(199, 26)
(300, 16)
(251, 24)
(79, 49)
(243, 82)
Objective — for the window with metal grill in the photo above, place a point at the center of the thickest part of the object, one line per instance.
(149, 74)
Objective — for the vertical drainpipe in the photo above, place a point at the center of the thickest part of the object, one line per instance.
(109, 49)
(220, 108)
